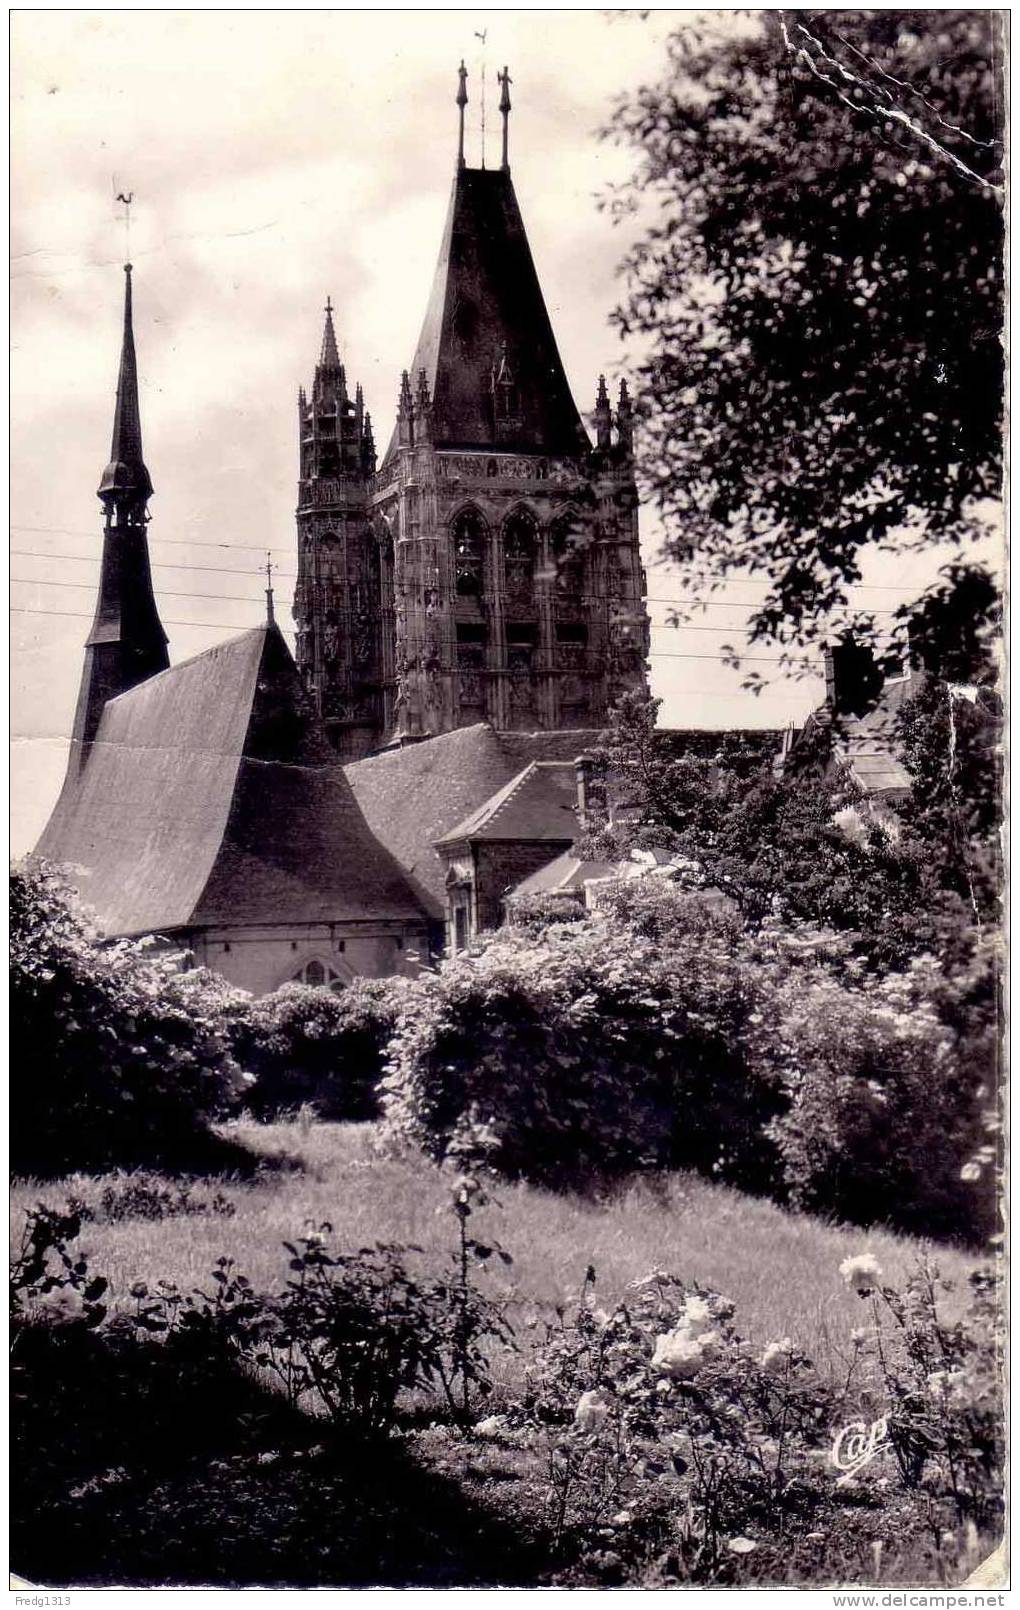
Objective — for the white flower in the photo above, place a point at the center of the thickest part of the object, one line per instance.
(61, 1306)
(623, 1517)
(944, 1384)
(678, 1353)
(970, 1172)
(776, 1356)
(592, 1409)
(741, 1545)
(494, 1426)
(862, 1274)
(697, 1315)
(711, 1344)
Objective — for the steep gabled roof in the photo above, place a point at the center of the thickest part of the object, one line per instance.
(486, 310)
(414, 796)
(211, 795)
(540, 803)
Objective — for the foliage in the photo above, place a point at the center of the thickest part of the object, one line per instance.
(144, 1196)
(941, 1385)
(951, 739)
(588, 1053)
(820, 293)
(888, 1104)
(675, 1453)
(119, 1057)
(303, 1044)
(805, 847)
(531, 915)
(48, 1283)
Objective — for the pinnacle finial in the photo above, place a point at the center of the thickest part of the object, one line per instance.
(126, 472)
(462, 100)
(505, 81)
(329, 357)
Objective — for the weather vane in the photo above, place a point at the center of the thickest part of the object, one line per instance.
(127, 199)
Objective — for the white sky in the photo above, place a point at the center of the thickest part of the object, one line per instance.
(277, 157)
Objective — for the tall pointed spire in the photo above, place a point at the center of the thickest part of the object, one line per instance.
(126, 471)
(127, 643)
(329, 357)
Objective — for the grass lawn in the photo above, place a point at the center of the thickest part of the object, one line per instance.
(780, 1268)
(159, 1466)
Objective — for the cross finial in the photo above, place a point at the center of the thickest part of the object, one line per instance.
(505, 81)
(329, 304)
(270, 616)
(462, 97)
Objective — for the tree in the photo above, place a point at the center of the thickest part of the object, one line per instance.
(820, 300)
(801, 848)
(118, 1058)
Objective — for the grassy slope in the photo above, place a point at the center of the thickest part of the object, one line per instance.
(781, 1269)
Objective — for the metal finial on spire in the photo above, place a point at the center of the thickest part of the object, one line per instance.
(462, 97)
(270, 616)
(329, 357)
(504, 80)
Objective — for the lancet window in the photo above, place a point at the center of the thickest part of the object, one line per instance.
(469, 553)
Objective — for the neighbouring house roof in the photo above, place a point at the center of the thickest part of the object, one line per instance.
(867, 746)
(414, 796)
(567, 874)
(212, 796)
(486, 308)
(539, 803)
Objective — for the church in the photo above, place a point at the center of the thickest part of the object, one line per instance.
(467, 612)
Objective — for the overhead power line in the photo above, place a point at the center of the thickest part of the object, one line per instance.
(234, 626)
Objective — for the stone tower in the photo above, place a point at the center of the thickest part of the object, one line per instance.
(127, 643)
(518, 587)
(343, 600)
(490, 570)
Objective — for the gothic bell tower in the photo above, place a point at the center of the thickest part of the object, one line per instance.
(342, 621)
(517, 586)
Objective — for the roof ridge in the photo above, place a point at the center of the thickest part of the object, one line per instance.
(206, 653)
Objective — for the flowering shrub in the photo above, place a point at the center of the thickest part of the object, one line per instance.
(669, 1440)
(886, 1104)
(592, 1051)
(118, 1057)
(303, 1044)
(939, 1387)
(676, 1453)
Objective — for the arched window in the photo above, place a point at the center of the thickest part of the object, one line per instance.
(469, 552)
(568, 556)
(320, 975)
(519, 545)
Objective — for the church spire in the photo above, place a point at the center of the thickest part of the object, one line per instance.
(126, 471)
(127, 643)
(329, 358)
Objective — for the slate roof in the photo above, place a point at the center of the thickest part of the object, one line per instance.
(565, 875)
(540, 803)
(416, 795)
(485, 296)
(211, 796)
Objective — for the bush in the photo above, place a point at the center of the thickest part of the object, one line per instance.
(675, 1453)
(118, 1058)
(309, 1045)
(588, 1053)
(888, 1105)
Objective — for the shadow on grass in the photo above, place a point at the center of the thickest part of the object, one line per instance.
(144, 1464)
